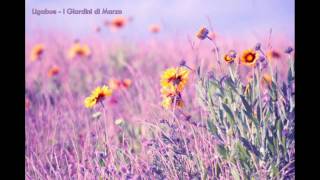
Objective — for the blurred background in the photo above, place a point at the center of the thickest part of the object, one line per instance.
(230, 18)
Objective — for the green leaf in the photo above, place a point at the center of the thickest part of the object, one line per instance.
(279, 127)
(249, 146)
(222, 151)
(276, 75)
(258, 112)
(243, 152)
(235, 174)
(273, 91)
(283, 141)
(246, 105)
(290, 75)
(267, 116)
(215, 83)
(231, 84)
(218, 89)
(274, 85)
(221, 115)
(229, 114)
(274, 170)
(212, 128)
(255, 121)
(271, 146)
(101, 162)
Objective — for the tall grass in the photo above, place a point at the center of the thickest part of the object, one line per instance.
(223, 132)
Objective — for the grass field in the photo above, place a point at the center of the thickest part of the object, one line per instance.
(185, 108)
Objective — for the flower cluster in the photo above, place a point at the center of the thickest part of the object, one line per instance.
(115, 84)
(173, 81)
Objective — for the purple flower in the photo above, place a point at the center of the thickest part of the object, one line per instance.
(262, 59)
(257, 47)
(232, 54)
(182, 63)
(289, 50)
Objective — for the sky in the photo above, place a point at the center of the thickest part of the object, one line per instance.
(228, 17)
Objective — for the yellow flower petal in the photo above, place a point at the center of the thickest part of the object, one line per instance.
(97, 95)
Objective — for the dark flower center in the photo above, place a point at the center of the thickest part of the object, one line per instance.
(228, 58)
(250, 57)
(40, 51)
(100, 97)
(175, 80)
(80, 52)
(118, 23)
(275, 54)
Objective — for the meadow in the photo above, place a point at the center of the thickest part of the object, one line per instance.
(185, 108)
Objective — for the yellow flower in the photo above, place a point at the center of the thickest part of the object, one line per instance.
(168, 102)
(80, 50)
(89, 102)
(117, 23)
(230, 56)
(36, 52)
(154, 28)
(273, 55)
(168, 92)
(118, 84)
(227, 58)
(249, 57)
(175, 78)
(98, 95)
(53, 71)
(202, 33)
(126, 83)
(114, 84)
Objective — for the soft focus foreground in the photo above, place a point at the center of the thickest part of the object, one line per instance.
(180, 109)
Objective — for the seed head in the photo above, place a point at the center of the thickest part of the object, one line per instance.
(202, 33)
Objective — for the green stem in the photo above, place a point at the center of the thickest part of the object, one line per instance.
(268, 62)
(216, 52)
(106, 132)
